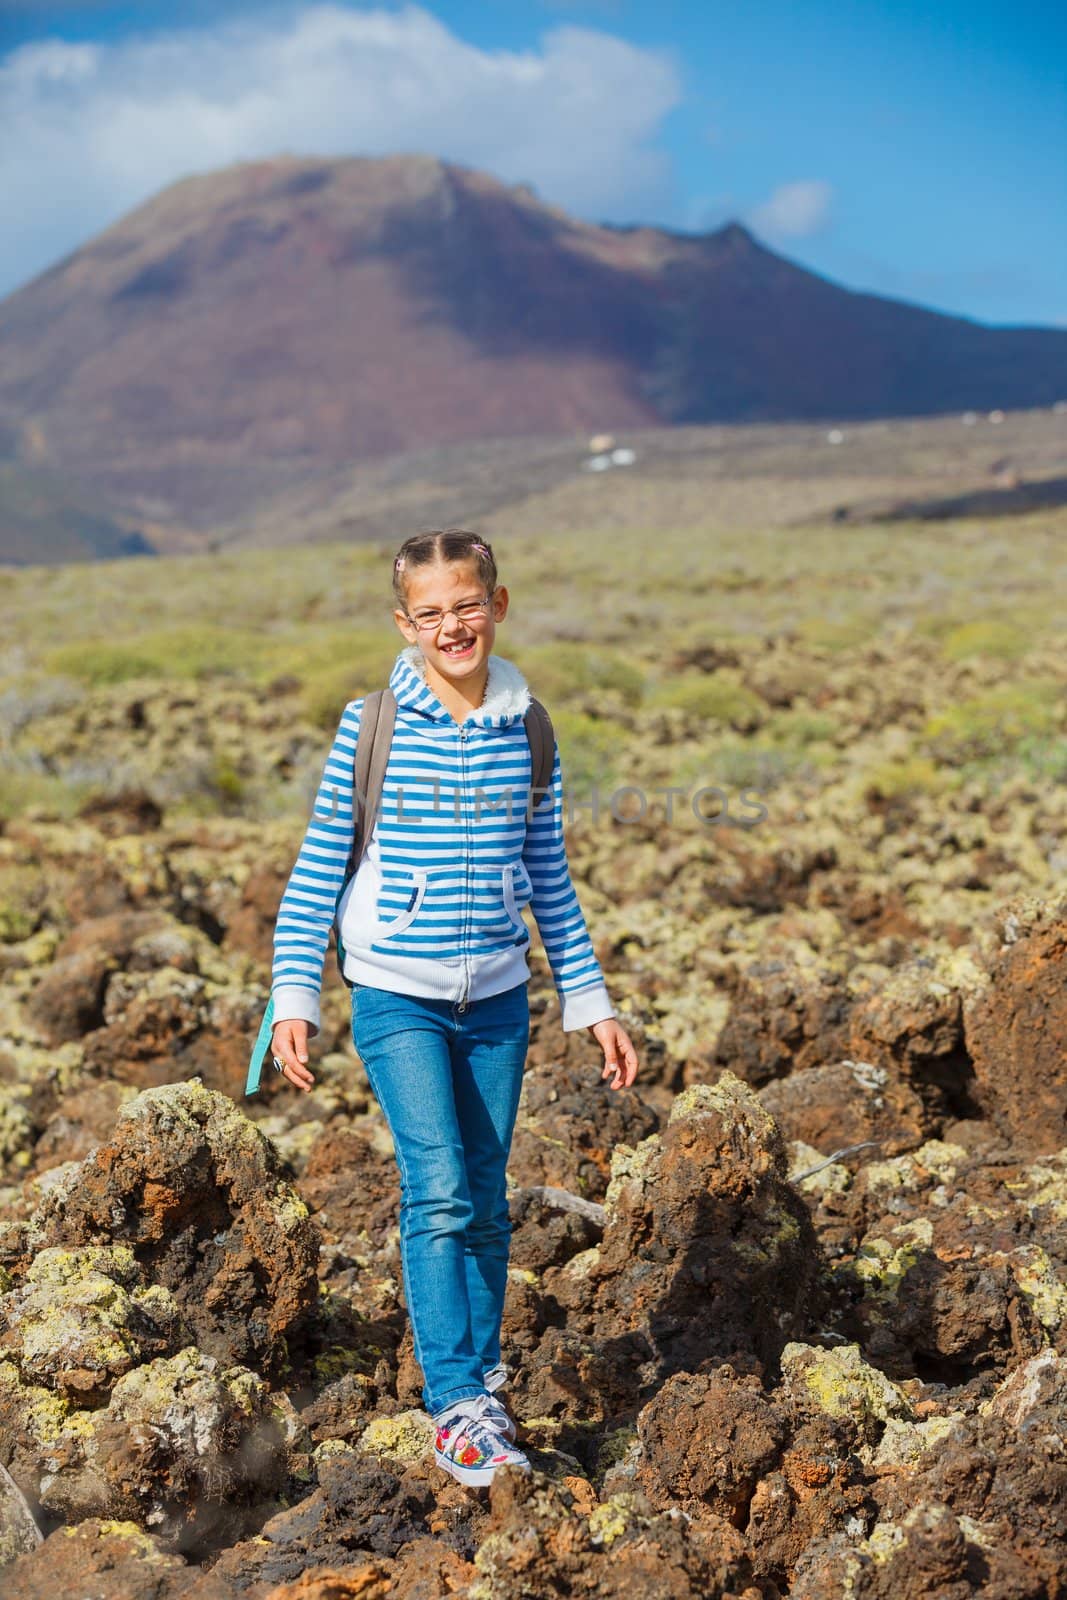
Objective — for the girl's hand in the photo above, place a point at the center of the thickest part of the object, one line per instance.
(620, 1057)
(289, 1042)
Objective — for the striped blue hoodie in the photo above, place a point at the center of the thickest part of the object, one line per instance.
(435, 907)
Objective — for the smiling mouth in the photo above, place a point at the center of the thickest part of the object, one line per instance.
(458, 648)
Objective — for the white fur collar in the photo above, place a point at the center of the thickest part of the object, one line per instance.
(507, 694)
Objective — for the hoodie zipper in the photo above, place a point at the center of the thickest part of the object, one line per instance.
(464, 998)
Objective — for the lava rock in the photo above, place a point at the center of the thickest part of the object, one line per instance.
(1016, 1029)
(708, 1252)
(194, 1188)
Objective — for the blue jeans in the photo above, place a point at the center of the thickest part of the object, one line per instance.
(448, 1083)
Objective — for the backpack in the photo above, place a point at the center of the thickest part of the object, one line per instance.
(372, 753)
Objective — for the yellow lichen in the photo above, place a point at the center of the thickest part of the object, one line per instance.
(883, 1264)
(842, 1384)
(883, 1542)
(832, 1179)
(631, 1165)
(1036, 1276)
(1043, 1187)
(329, 1448)
(609, 1521)
(133, 1534)
(338, 1360)
(247, 1389)
(289, 1209)
(731, 1098)
(402, 1437)
(904, 1443)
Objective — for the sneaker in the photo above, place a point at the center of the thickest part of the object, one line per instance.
(468, 1446)
(496, 1378)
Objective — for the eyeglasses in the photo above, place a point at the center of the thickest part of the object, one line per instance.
(472, 611)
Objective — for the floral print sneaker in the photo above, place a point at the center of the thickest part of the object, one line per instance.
(468, 1446)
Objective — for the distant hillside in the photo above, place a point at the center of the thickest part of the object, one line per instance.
(245, 331)
(44, 519)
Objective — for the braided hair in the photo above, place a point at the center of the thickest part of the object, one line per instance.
(442, 545)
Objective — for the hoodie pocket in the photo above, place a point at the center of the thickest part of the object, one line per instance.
(515, 871)
(404, 919)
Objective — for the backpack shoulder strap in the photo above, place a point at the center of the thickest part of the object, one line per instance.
(373, 744)
(372, 754)
(542, 740)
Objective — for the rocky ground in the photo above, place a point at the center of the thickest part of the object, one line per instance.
(787, 1319)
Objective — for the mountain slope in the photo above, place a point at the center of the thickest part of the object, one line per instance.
(246, 330)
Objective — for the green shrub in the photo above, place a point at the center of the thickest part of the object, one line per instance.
(828, 633)
(226, 780)
(562, 672)
(985, 636)
(22, 897)
(995, 723)
(194, 651)
(798, 730)
(325, 695)
(328, 689)
(1044, 760)
(590, 752)
(751, 766)
(98, 664)
(21, 791)
(897, 779)
(713, 697)
(366, 654)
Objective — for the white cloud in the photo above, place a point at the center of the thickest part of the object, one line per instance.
(793, 210)
(89, 130)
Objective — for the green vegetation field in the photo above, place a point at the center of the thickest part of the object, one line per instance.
(913, 658)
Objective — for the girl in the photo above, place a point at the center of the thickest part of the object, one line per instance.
(435, 950)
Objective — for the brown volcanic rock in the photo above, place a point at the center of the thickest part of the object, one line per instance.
(782, 1477)
(538, 1544)
(364, 1580)
(914, 1024)
(194, 1188)
(568, 1124)
(982, 1510)
(1016, 1029)
(846, 1103)
(783, 1020)
(708, 1255)
(958, 1262)
(351, 1181)
(194, 352)
(83, 1319)
(251, 927)
(927, 1553)
(709, 1438)
(361, 1507)
(106, 1558)
(165, 1024)
(69, 1000)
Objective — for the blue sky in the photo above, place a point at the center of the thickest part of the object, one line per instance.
(915, 151)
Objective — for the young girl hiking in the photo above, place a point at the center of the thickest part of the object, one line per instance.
(434, 948)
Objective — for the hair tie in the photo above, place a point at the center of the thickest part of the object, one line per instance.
(477, 546)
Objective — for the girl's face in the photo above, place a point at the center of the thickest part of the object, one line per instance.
(458, 650)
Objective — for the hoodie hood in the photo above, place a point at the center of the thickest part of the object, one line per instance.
(507, 694)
